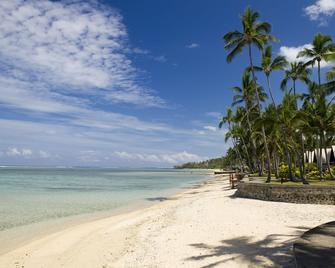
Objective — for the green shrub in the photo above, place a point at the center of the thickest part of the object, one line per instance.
(327, 174)
(283, 171)
(311, 167)
(313, 174)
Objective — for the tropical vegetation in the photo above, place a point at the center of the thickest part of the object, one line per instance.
(269, 135)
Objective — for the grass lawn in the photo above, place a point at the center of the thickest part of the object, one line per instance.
(311, 181)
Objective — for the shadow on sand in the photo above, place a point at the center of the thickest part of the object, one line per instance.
(275, 249)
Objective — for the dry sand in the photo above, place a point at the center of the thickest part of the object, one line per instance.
(202, 227)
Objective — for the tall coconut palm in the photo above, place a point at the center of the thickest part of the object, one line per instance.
(322, 49)
(255, 33)
(325, 120)
(287, 111)
(273, 129)
(246, 94)
(242, 133)
(297, 72)
(268, 65)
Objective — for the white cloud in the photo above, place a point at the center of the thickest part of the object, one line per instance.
(13, 152)
(62, 64)
(193, 45)
(210, 128)
(291, 54)
(172, 158)
(73, 45)
(44, 154)
(24, 152)
(161, 58)
(141, 51)
(88, 143)
(320, 10)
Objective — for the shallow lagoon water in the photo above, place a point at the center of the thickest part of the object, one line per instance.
(33, 195)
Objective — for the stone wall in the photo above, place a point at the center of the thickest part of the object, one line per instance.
(291, 193)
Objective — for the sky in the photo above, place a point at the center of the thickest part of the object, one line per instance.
(123, 83)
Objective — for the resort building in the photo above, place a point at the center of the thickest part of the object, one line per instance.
(314, 156)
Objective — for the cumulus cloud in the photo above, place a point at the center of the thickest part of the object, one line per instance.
(193, 45)
(291, 54)
(173, 158)
(27, 153)
(13, 152)
(62, 64)
(320, 10)
(71, 44)
(16, 152)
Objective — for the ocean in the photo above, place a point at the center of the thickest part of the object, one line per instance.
(32, 195)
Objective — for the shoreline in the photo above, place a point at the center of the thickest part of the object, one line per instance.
(203, 225)
(22, 235)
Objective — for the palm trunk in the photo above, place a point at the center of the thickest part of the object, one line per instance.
(252, 141)
(247, 154)
(327, 160)
(237, 151)
(270, 91)
(319, 73)
(260, 112)
(288, 158)
(294, 87)
(289, 162)
(275, 164)
(320, 156)
(239, 156)
(304, 181)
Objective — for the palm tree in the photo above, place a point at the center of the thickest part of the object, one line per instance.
(273, 129)
(229, 118)
(325, 121)
(296, 71)
(321, 117)
(242, 133)
(268, 65)
(331, 74)
(246, 94)
(255, 33)
(322, 49)
(287, 111)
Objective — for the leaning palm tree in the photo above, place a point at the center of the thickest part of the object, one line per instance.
(297, 72)
(246, 94)
(268, 65)
(322, 49)
(255, 33)
(229, 118)
(242, 133)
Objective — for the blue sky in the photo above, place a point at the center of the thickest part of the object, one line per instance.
(129, 83)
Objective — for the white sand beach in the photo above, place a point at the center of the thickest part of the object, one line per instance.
(202, 227)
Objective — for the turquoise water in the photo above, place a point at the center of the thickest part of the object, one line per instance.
(32, 195)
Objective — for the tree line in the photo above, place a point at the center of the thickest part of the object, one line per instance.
(266, 134)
